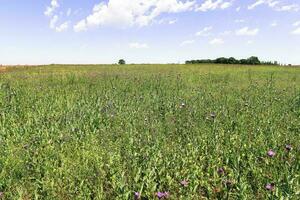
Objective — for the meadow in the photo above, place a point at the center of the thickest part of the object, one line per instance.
(150, 132)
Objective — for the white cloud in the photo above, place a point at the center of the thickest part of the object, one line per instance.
(250, 42)
(226, 5)
(205, 31)
(51, 8)
(187, 42)
(213, 5)
(80, 26)
(53, 21)
(255, 4)
(296, 31)
(270, 3)
(137, 45)
(247, 32)
(216, 41)
(124, 13)
(50, 12)
(291, 7)
(53, 24)
(275, 4)
(167, 21)
(63, 27)
(297, 23)
(238, 9)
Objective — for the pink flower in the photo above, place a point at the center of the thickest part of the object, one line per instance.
(221, 171)
(162, 195)
(270, 186)
(271, 153)
(137, 195)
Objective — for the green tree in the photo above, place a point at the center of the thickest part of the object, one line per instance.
(232, 60)
(253, 60)
(122, 62)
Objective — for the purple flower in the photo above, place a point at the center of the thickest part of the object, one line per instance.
(271, 153)
(270, 187)
(288, 147)
(137, 195)
(162, 195)
(184, 183)
(221, 171)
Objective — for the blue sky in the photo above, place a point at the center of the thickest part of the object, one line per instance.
(147, 31)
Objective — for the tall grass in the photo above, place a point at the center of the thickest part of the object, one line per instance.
(109, 132)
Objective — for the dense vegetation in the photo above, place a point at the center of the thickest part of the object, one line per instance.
(121, 62)
(148, 132)
(249, 61)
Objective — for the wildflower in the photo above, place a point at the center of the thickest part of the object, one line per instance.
(1, 195)
(288, 147)
(184, 183)
(271, 153)
(221, 171)
(270, 187)
(162, 195)
(137, 195)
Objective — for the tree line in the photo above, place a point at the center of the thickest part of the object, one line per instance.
(253, 60)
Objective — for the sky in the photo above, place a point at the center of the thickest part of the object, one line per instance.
(147, 31)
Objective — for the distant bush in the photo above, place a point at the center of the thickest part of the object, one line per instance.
(122, 62)
(253, 60)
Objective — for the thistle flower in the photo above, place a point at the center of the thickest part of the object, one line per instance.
(137, 195)
(221, 171)
(270, 187)
(184, 183)
(162, 195)
(271, 153)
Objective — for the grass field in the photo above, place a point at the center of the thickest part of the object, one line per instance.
(150, 131)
